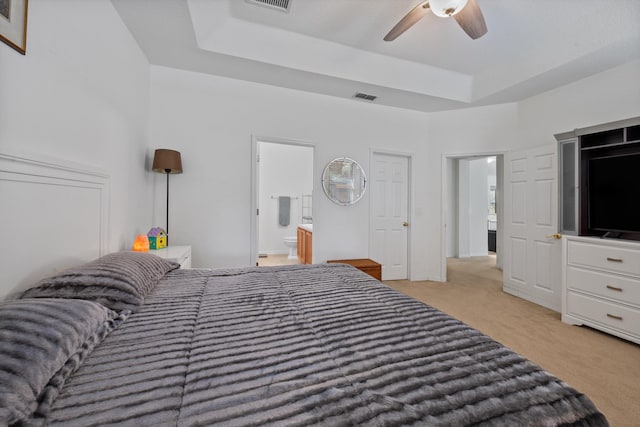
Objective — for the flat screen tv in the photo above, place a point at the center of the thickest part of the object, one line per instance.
(614, 194)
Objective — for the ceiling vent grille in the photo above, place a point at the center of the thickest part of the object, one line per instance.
(281, 5)
(365, 96)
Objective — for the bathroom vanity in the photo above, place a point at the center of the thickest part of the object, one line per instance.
(305, 238)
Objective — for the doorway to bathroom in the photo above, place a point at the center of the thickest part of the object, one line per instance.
(472, 209)
(283, 198)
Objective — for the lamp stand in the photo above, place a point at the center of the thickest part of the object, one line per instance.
(167, 161)
(167, 172)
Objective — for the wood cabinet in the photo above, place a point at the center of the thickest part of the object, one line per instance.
(305, 246)
(366, 265)
(601, 285)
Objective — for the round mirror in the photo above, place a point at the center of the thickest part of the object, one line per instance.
(344, 181)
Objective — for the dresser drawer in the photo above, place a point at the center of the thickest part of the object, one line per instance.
(624, 289)
(607, 313)
(602, 256)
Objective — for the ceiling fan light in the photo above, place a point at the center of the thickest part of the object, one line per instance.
(446, 8)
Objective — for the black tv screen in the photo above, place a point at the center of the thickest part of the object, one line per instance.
(614, 193)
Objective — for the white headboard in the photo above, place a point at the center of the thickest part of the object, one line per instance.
(53, 215)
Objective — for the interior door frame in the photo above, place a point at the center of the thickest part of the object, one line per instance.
(410, 194)
(443, 204)
(255, 186)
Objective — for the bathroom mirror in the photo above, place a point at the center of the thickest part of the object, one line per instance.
(344, 181)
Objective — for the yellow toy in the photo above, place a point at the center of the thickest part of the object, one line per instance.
(157, 238)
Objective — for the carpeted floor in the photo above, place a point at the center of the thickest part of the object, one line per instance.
(605, 368)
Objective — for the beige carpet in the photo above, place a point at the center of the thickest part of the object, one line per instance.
(605, 368)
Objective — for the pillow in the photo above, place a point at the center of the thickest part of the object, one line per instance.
(42, 341)
(119, 281)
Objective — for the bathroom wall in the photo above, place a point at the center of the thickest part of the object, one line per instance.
(285, 170)
(467, 206)
(478, 202)
(492, 178)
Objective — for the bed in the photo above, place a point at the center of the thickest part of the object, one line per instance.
(129, 339)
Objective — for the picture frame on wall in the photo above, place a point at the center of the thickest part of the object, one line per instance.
(13, 24)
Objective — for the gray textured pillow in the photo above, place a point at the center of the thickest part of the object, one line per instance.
(42, 341)
(119, 281)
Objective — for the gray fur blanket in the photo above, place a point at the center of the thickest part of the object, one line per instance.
(305, 345)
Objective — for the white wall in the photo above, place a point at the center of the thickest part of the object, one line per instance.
(464, 208)
(472, 208)
(606, 97)
(285, 170)
(81, 94)
(211, 120)
(478, 204)
(461, 133)
(451, 208)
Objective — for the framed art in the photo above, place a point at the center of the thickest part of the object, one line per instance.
(13, 24)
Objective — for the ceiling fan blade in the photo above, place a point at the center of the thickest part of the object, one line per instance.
(471, 20)
(416, 14)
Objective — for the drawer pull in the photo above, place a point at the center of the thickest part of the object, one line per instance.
(613, 316)
(614, 288)
(614, 259)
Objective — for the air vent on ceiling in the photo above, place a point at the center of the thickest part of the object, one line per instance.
(281, 5)
(365, 96)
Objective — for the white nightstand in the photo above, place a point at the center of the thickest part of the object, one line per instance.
(179, 254)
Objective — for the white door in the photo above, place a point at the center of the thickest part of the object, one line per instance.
(389, 220)
(532, 249)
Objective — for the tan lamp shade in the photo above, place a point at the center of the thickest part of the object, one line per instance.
(167, 161)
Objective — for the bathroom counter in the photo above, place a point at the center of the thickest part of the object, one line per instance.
(308, 227)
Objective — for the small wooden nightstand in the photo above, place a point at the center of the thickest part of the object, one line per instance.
(369, 266)
(179, 254)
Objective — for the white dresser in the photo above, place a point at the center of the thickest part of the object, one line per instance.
(601, 285)
(179, 254)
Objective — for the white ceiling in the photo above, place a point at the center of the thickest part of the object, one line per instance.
(335, 47)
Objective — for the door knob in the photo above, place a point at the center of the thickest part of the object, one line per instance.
(405, 224)
(554, 236)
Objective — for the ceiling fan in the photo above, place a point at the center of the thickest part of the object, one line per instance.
(466, 12)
